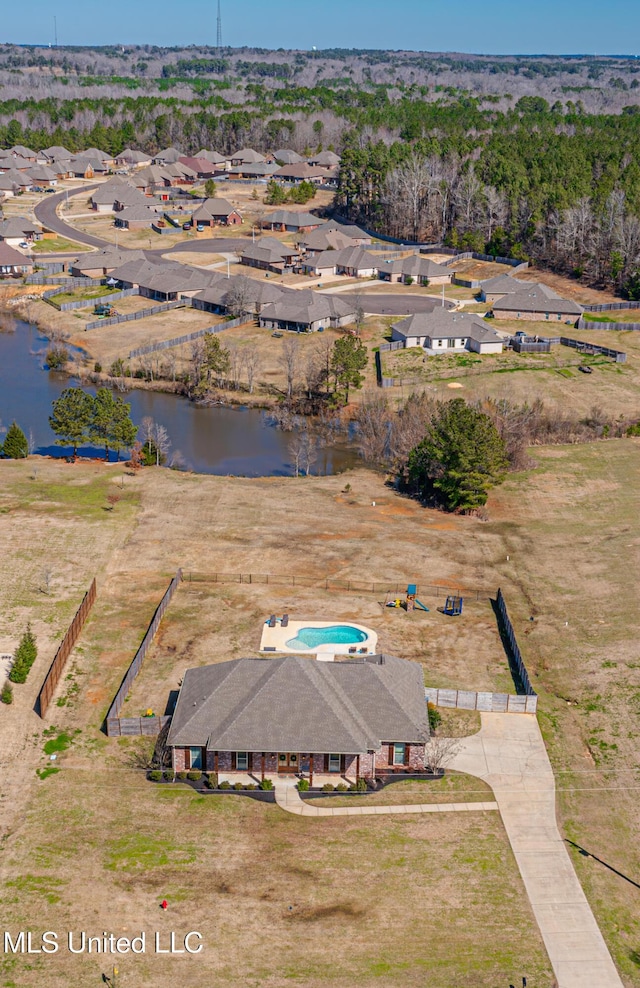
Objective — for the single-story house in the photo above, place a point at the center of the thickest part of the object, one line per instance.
(537, 302)
(138, 217)
(13, 181)
(285, 156)
(26, 154)
(56, 151)
(419, 269)
(15, 229)
(217, 159)
(290, 220)
(43, 175)
(13, 264)
(99, 264)
(325, 159)
(447, 331)
(245, 156)
(269, 254)
(355, 262)
(202, 167)
(103, 199)
(147, 180)
(130, 158)
(301, 171)
(333, 236)
(96, 154)
(164, 281)
(304, 311)
(225, 294)
(216, 211)
(291, 715)
(180, 174)
(259, 170)
(167, 157)
(493, 289)
(128, 196)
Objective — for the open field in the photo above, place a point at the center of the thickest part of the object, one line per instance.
(524, 377)
(561, 541)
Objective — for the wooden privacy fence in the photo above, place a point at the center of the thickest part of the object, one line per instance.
(55, 671)
(501, 703)
(141, 314)
(509, 636)
(619, 356)
(179, 340)
(116, 727)
(611, 306)
(127, 727)
(327, 583)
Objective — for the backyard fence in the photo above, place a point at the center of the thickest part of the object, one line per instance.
(611, 306)
(327, 583)
(179, 340)
(55, 671)
(619, 356)
(121, 727)
(395, 345)
(65, 283)
(84, 303)
(615, 326)
(113, 723)
(141, 314)
(497, 703)
(511, 644)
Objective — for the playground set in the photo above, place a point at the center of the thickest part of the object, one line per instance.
(452, 607)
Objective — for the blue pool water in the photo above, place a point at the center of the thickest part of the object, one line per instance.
(337, 634)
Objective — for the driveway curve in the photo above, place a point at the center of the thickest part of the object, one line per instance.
(509, 754)
(46, 213)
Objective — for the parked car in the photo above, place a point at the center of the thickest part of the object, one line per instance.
(199, 228)
(49, 190)
(24, 245)
(186, 226)
(37, 188)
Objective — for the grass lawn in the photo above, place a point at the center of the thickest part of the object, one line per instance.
(49, 245)
(77, 294)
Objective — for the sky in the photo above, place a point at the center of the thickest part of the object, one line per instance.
(498, 27)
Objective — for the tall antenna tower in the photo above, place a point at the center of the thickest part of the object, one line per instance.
(55, 30)
(219, 31)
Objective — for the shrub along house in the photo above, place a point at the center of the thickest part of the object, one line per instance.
(356, 718)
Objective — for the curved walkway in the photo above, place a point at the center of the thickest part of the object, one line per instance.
(288, 798)
(509, 754)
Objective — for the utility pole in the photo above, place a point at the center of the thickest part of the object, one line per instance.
(219, 30)
(55, 30)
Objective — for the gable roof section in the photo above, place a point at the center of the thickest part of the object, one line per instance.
(247, 156)
(164, 276)
(445, 324)
(503, 283)
(212, 208)
(326, 158)
(299, 704)
(16, 226)
(269, 249)
(289, 217)
(13, 258)
(537, 298)
(348, 257)
(306, 307)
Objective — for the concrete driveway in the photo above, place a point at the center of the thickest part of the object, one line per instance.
(509, 754)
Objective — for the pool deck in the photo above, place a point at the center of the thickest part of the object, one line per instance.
(275, 639)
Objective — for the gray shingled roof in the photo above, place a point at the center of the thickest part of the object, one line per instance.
(247, 156)
(213, 208)
(287, 157)
(255, 292)
(445, 324)
(327, 158)
(417, 267)
(289, 217)
(164, 276)
(16, 226)
(299, 704)
(268, 249)
(306, 307)
(502, 283)
(537, 298)
(348, 257)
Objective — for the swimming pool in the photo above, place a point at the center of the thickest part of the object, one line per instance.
(335, 634)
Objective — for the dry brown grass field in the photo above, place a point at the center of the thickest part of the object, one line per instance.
(401, 902)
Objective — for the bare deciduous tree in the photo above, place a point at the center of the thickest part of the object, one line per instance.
(289, 360)
(439, 752)
(251, 361)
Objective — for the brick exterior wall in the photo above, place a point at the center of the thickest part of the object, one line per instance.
(415, 761)
(179, 759)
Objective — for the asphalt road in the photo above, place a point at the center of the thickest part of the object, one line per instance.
(45, 213)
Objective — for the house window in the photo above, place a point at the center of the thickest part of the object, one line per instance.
(451, 343)
(399, 754)
(546, 315)
(334, 763)
(195, 757)
(242, 761)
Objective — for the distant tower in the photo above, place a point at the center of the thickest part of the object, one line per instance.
(55, 30)
(219, 32)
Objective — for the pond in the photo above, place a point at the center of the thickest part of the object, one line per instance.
(237, 441)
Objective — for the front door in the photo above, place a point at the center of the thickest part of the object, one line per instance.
(287, 761)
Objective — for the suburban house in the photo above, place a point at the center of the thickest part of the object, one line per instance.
(218, 160)
(291, 221)
(167, 157)
(16, 229)
(164, 281)
(99, 264)
(216, 211)
(43, 175)
(269, 254)
(25, 154)
(537, 302)
(301, 171)
(98, 155)
(148, 179)
(138, 217)
(284, 156)
(259, 170)
(334, 236)
(245, 156)
(447, 331)
(13, 264)
(180, 174)
(416, 269)
(202, 167)
(293, 715)
(130, 158)
(13, 181)
(227, 294)
(103, 199)
(355, 262)
(56, 151)
(493, 289)
(128, 196)
(328, 160)
(304, 311)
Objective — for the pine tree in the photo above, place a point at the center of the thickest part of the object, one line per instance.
(72, 416)
(24, 657)
(460, 459)
(15, 445)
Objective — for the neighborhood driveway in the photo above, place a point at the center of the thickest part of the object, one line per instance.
(509, 754)
(45, 213)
